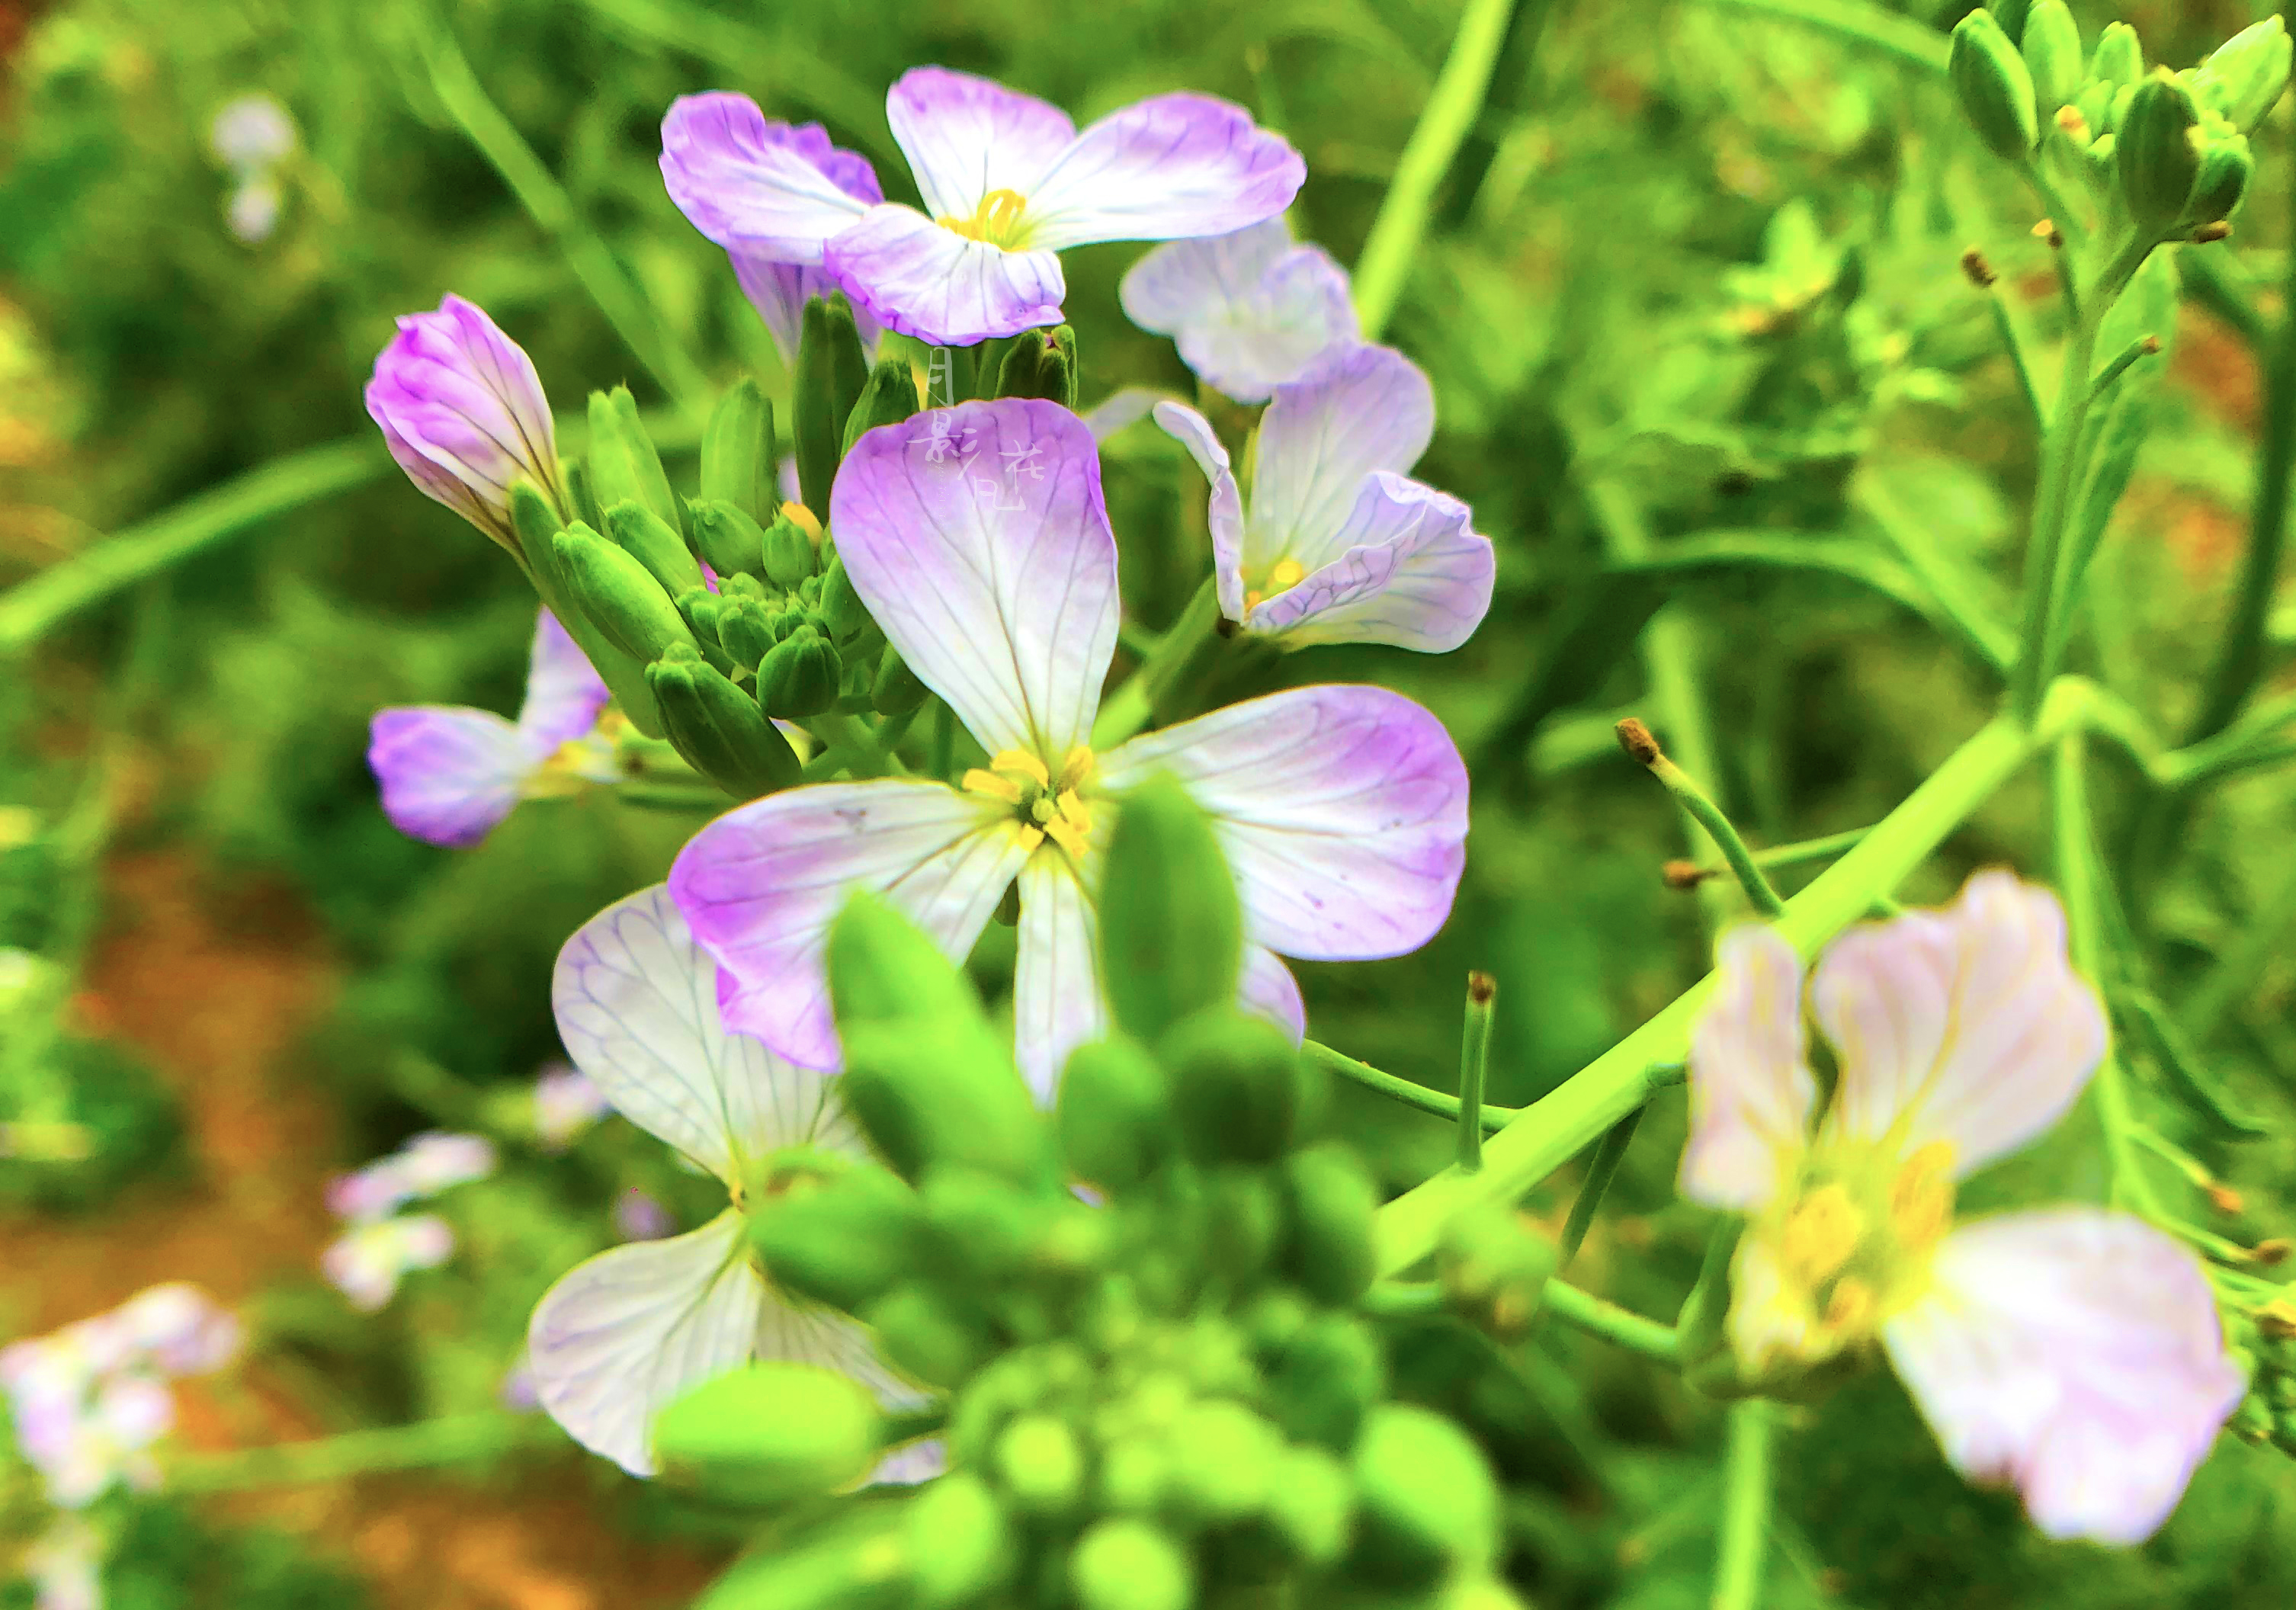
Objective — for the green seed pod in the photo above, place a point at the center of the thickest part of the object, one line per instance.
(1429, 1504)
(830, 372)
(737, 453)
(931, 1334)
(895, 690)
(890, 398)
(1236, 1085)
(745, 628)
(646, 537)
(2051, 47)
(1171, 924)
(841, 605)
(1996, 91)
(2222, 181)
(618, 595)
(1313, 1506)
(726, 538)
(720, 730)
(962, 1548)
(1223, 1460)
(770, 1433)
(1041, 363)
(1329, 1376)
(1494, 1269)
(1114, 1113)
(1126, 1564)
(1040, 1465)
(2155, 154)
(799, 676)
(2119, 58)
(2248, 72)
(1331, 1202)
(789, 552)
(624, 467)
(845, 1242)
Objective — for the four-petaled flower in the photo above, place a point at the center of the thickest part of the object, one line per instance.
(1248, 311)
(1342, 809)
(1340, 546)
(2073, 1352)
(1008, 184)
(463, 412)
(450, 774)
(620, 1336)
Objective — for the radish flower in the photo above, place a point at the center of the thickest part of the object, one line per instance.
(1248, 311)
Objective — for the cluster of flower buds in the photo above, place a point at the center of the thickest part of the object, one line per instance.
(2269, 1413)
(2163, 154)
(1157, 1396)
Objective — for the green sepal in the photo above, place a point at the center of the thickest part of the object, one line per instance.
(1171, 923)
(654, 543)
(1041, 363)
(790, 555)
(2051, 47)
(2220, 184)
(1995, 90)
(800, 675)
(1430, 1505)
(1330, 1200)
(533, 520)
(961, 1547)
(2248, 72)
(738, 465)
(745, 629)
(770, 1433)
(703, 610)
(845, 1242)
(1130, 1564)
(537, 526)
(618, 596)
(728, 540)
(895, 690)
(720, 730)
(1494, 1268)
(1238, 1087)
(830, 372)
(889, 397)
(2118, 62)
(624, 466)
(2155, 155)
(929, 1333)
(2011, 15)
(840, 606)
(1114, 1113)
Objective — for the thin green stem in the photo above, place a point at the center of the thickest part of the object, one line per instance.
(448, 1440)
(2119, 366)
(1745, 1506)
(1638, 742)
(649, 796)
(1598, 1317)
(1610, 1152)
(1866, 27)
(1401, 1090)
(1799, 853)
(1474, 1066)
(1134, 705)
(1451, 110)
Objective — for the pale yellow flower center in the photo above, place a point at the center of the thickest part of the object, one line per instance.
(1044, 806)
(1855, 1239)
(995, 222)
(1282, 576)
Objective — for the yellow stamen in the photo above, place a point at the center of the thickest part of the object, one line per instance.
(1076, 767)
(1020, 761)
(1821, 1233)
(996, 221)
(1070, 825)
(1921, 1197)
(1852, 1306)
(1253, 597)
(1030, 837)
(995, 787)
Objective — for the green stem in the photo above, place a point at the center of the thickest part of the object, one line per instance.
(2119, 366)
(1601, 1169)
(1133, 704)
(1792, 855)
(1745, 1506)
(448, 1440)
(944, 743)
(1867, 27)
(1451, 110)
(2012, 339)
(1708, 816)
(649, 796)
(1599, 1317)
(1401, 1090)
(1474, 1066)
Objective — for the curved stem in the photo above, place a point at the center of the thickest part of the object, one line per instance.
(1401, 1090)
(1598, 1317)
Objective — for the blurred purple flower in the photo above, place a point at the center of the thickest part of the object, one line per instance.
(369, 1259)
(251, 132)
(566, 1104)
(1248, 311)
(638, 1217)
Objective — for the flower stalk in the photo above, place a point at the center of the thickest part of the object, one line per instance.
(1474, 1064)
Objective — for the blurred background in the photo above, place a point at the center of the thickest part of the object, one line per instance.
(1691, 282)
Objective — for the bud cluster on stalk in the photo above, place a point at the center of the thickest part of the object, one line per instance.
(2163, 154)
(1163, 1399)
(2269, 1412)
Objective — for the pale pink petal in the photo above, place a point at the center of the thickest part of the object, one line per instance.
(979, 539)
(1121, 410)
(1196, 282)
(563, 694)
(2077, 1354)
(1269, 989)
(1750, 1088)
(965, 137)
(1409, 571)
(1224, 516)
(1354, 410)
(1164, 169)
(761, 187)
(1342, 809)
(637, 1001)
(918, 279)
(1056, 999)
(1967, 1025)
(759, 886)
(780, 291)
(1248, 311)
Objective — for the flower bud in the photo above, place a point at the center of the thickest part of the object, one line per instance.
(643, 535)
(1171, 923)
(623, 465)
(1996, 91)
(1223, 1460)
(799, 676)
(618, 595)
(583, 497)
(1327, 1380)
(1114, 1113)
(896, 691)
(1041, 363)
(463, 414)
(770, 1433)
(961, 1546)
(1236, 1085)
(738, 463)
(2155, 153)
(841, 605)
(789, 551)
(890, 396)
(720, 730)
(2119, 60)
(1331, 1202)
(845, 1242)
(1248, 1216)
(830, 372)
(2011, 15)
(2222, 181)
(745, 629)
(2052, 51)
(2248, 71)
(1040, 1466)
(725, 538)
(1312, 1506)
(931, 1334)
(1128, 1565)
(1429, 1505)
(701, 609)
(2096, 107)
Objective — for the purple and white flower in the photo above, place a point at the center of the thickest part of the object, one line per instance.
(380, 1246)
(1338, 545)
(462, 411)
(978, 537)
(1008, 184)
(622, 1336)
(1248, 311)
(2072, 1352)
(450, 774)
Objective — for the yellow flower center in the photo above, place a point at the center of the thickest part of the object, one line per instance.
(1043, 807)
(1282, 576)
(1853, 1241)
(995, 222)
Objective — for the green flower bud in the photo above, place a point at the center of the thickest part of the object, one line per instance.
(2011, 15)
(1327, 1379)
(1114, 1113)
(1331, 1202)
(1224, 1458)
(2095, 106)
(536, 525)
(2155, 153)
(895, 690)
(890, 398)
(1040, 1465)
(2119, 60)
(727, 539)
(845, 1242)
(2248, 72)
(642, 534)
(1237, 1086)
(789, 550)
(983, 1228)
(1171, 924)
(830, 372)
(929, 1333)
(841, 605)
(533, 520)
(1041, 363)
(2222, 181)
(747, 586)
(1249, 1213)
(961, 1546)
(799, 677)
(745, 627)
(2051, 47)
(1494, 1268)
(1429, 1505)
(1996, 91)
(770, 1433)
(1136, 1476)
(624, 467)
(737, 453)
(1130, 1565)
(1313, 1506)
(703, 610)
(618, 595)
(720, 730)
(584, 495)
